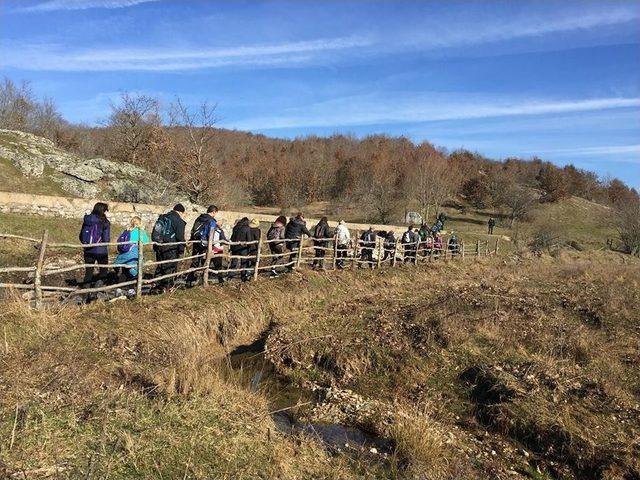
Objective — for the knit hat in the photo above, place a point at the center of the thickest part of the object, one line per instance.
(179, 208)
(254, 223)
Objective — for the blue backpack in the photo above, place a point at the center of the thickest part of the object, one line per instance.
(163, 231)
(91, 233)
(124, 237)
(204, 234)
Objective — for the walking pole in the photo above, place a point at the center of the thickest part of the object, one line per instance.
(140, 274)
(255, 271)
(207, 259)
(37, 281)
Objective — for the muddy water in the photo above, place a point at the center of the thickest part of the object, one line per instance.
(290, 403)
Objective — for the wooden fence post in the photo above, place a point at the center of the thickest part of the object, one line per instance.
(207, 259)
(477, 248)
(256, 270)
(497, 243)
(486, 248)
(37, 281)
(299, 258)
(395, 253)
(462, 249)
(140, 274)
(335, 250)
(380, 251)
(355, 250)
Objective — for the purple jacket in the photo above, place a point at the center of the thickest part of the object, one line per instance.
(90, 224)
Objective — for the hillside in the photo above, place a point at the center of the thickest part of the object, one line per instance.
(32, 164)
(451, 371)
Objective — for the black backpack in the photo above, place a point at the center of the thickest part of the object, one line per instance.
(198, 228)
(163, 231)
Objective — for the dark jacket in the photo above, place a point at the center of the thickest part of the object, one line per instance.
(241, 233)
(390, 241)
(368, 240)
(321, 232)
(105, 236)
(410, 239)
(255, 235)
(200, 224)
(295, 228)
(178, 226)
(276, 232)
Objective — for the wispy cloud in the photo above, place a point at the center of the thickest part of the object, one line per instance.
(376, 109)
(54, 5)
(43, 57)
(595, 151)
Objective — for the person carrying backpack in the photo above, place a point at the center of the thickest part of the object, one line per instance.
(205, 223)
(438, 245)
(320, 241)
(241, 234)
(368, 243)
(423, 233)
(389, 245)
(410, 244)
(128, 252)
(293, 234)
(343, 239)
(96, 228)
(276, 247)
(491, 223)
(217, 247)
(453, 245)
(169, 228)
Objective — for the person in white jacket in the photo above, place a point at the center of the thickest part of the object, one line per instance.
(343, 239)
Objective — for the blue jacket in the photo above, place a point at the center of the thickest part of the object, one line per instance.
(93, 223)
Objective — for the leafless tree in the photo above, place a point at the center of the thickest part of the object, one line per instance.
(196, 163)
(432, 181)
(518, 199)
(628, 224)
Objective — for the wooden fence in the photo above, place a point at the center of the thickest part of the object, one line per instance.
(241, 263)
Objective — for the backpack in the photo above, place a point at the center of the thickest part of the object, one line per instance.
(319, 231)
(407, 237)
(204, 234)
(163, 231)
(198, 228)
(124, 237)
(273, 233)
(91, 233)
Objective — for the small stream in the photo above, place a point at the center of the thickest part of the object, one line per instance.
(289, 403)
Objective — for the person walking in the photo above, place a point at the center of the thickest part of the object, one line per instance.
(368, 243)
(410, 244)
(491, 223)
(128, 253)
(205, 223)
(438, 245)
(275, 237)
(255, 234)
(169, 228)
(389, 246)
(321, 242)
(343, 239)
(293, 234)
(453, 245)
(96, 228)
(241, 234)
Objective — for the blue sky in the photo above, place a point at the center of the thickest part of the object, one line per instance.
(560, 80)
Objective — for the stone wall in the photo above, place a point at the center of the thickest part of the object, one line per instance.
(121, 213)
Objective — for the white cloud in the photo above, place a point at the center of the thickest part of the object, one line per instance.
(378, 109)
(44, 57)
(592, 151)
(54, 5)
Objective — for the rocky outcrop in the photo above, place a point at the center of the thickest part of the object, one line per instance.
(35, 156)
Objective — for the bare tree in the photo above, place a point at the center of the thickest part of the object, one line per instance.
(518, 199)
(133, 125)
(628, 224)
(196, 163)
(432, 181)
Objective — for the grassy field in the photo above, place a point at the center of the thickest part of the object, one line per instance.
(464, 366)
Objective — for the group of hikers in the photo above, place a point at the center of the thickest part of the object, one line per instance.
(283, 238)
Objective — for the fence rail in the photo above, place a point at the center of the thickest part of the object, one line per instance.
(248, 261)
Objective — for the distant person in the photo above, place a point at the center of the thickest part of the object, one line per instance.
(389, 246)
(368, 243)
(241, 234)
(320, 242)
(293, 234)
(410, 241)
(255, 234)
(428, 244)
(343, 239)
(438, 245)
(96, 228)
(275, 237)
(128, 253)
(423, 233)
(217, 250)
(453, 245)
(491, 223)
(205, 223)
(169, 228)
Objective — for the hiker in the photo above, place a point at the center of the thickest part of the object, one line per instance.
(169, 228)
(96, 228)
(255, 234)
(368, 243)
(423, 233)
(205, 223)
(275, 237)
(343, 239)
(293, 234)
(217, 250)
(453, 245)
(428, 245)
(128, 252)
(389, 246)
(410, 243)
(491, 223)
(320, 241)
(437, 245)
(242, 234)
